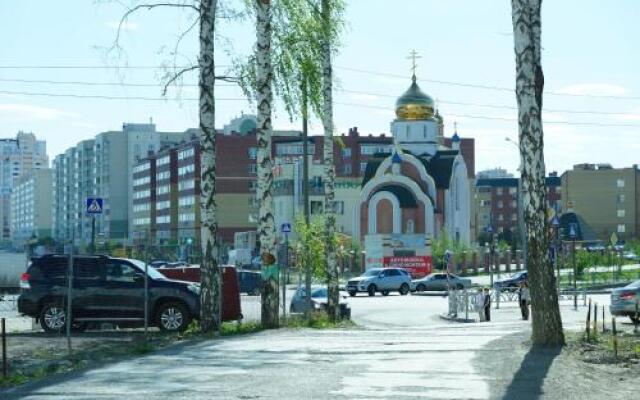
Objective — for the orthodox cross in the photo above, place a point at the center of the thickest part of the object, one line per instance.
(413, 56)
(455, 126)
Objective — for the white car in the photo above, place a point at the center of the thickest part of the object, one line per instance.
(382, 280)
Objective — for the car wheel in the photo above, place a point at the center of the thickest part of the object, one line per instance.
(352, 293)
(404, 289)
(385, 292)
(173, 317)
(53, 317)
(371, 290)
(459, 286)
(421, 288)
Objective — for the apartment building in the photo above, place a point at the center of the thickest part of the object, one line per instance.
(18, 156)
(31, 207)
(102, 167)
(606, 198)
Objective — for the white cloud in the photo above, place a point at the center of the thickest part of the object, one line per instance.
(26, 111)
(126, 25)
(593, 89)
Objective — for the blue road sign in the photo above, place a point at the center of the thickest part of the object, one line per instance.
(285, 228)
(94, 205)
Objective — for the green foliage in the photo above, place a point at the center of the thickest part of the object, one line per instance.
(310, 244)
(297, 38)
(316, 320)
(444, 243)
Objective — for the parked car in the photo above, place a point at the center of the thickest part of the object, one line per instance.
(250, 282)
(630, 255)
(158, 263)
(439, 281)
(319, 301)
(105, 289)
(623, 301)
(512, 282)
(381, 280)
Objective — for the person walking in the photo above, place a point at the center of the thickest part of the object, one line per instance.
(525, 298)
(487, 305)
(480, 305)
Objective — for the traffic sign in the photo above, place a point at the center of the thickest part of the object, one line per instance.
(285, 228)
(94, 205)
(614, 239)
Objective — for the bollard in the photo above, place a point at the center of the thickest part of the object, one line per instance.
(614, 337)
(604, 328)
(589, 321)
(5, 371)
(498, 293)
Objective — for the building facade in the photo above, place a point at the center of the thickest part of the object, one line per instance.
(18, 156)
(31, 207)
(102, 167)
(606, 198)
(497, 203)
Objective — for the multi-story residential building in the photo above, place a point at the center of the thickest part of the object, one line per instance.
(497, 203)
(17, 157)
(103, 167)
(31, 207)
(607, 198)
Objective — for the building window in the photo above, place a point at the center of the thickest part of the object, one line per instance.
(371, 149)
(346, 169)
(162, 161)
(162, 205)
(186, 153)
(316, 207)
(293, 149)
(253, 185)
(338, 207)
(346, 152)
(621, 213)
(621, 228)
(500, 217)
(187, 217)
(186, 169)
(252, 168)
(513, 190)
(620, 183)
(163, 219)
(187, 201)
(499, 191)
(253, 153)
(185, 185)
(363, 167)
(514, 204)
(500, 204)
(163, 175)
(164, 189)
(514, 217)
(620, 198)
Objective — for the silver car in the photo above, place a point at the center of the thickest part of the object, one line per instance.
(624, 300)
(440, 282)
(382, 280)
(319, 301)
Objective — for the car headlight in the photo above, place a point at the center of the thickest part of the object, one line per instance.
(194, 288)
(318, 306)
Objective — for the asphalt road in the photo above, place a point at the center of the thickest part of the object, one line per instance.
(401, 350)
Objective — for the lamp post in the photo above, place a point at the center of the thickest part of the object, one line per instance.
(492, 246)
(521, 227)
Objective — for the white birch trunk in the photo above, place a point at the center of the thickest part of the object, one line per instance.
(266, 224)
(546, 321)
(210, 294)
(333, 306)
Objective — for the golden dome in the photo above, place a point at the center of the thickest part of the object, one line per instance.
(414, 104)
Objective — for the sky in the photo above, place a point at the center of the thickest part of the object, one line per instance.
(590, 60)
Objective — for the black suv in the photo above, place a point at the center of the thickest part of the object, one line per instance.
(105, 289)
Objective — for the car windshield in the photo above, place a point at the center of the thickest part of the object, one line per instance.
(319, 293)
(372, 272)
(153, 274)
(634, 285)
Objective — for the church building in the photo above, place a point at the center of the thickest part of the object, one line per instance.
(415, 193)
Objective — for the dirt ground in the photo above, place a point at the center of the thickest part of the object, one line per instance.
(522, 373)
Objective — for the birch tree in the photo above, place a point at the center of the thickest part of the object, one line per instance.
(546, 321)
(266, 224)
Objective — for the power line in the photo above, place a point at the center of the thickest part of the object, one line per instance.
(98, 66)
(158, 85)
(487, 87)
(106, 97)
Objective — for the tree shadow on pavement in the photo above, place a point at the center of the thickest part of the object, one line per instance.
(528, 380)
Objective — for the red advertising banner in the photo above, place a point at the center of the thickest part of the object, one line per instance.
(417, 266)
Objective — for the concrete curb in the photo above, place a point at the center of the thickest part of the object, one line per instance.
(448, 317)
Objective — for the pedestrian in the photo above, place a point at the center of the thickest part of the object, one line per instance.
(487, 305)
(480, 305)
(525, 298)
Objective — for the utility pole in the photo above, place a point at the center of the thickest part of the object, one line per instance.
(68, 316)
(305, 192)
(573, 234)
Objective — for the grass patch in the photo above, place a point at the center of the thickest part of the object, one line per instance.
(598, 348)
(317, 320)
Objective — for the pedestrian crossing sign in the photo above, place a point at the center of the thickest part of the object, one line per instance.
(94, 205)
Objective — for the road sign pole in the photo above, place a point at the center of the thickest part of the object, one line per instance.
(284, 275)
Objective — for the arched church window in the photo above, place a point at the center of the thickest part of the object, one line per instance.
(410, 226)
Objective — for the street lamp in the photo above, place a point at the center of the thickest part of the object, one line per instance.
(492, 248)
(523, 234)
